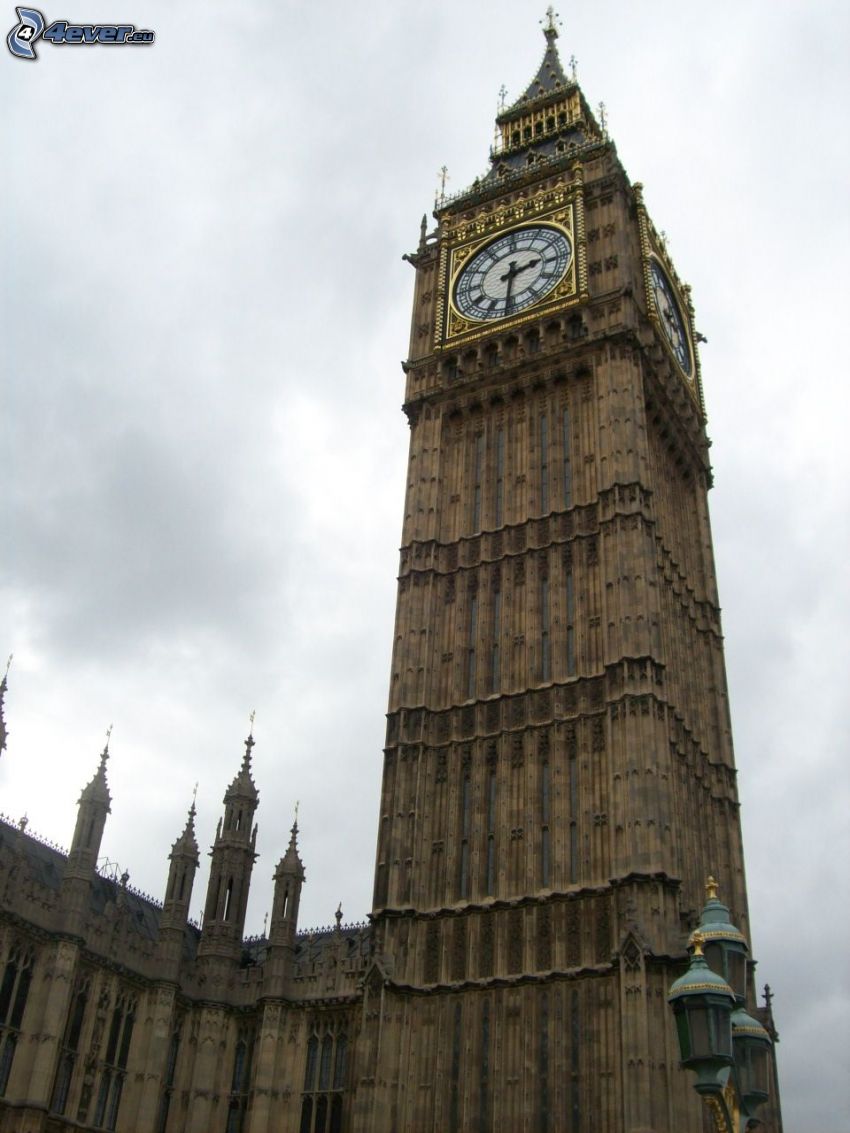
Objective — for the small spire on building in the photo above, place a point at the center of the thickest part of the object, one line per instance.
(338, 916)
(187, 842)
(104, 755)
(243, 785)
(97, 789)
(3, 685)
(291, 861)
(249, 743)
(574, 68)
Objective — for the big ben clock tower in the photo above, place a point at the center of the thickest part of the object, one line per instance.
(559, 777)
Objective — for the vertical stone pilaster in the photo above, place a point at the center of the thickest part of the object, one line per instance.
(152, 1039)
(44, 1024)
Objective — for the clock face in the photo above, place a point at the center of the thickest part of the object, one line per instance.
(670, 317)
(513, 272)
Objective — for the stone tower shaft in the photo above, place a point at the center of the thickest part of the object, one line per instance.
(558, 773)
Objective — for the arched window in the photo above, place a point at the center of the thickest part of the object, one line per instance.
(115, 1063)
(240, 1083)
(70, 1045)
(168, 1081)
(324, 1082)
(14, 989)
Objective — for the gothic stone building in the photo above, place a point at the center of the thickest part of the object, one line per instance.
(558, 773)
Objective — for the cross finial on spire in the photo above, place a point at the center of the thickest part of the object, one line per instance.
(503, 94)
(249, 743)
(550, 28)
(193, 808)
(574, 68)
(104, 755)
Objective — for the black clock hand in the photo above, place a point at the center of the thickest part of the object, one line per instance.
(510, 273)
(510, 278)
(514, 271)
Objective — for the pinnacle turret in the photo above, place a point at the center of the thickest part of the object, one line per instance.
(81, 866)
(182, 865)
(288, 879)
(233, 854)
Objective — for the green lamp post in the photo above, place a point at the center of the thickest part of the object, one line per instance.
(726, 1047)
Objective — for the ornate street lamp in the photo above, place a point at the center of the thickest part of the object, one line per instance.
(727, 1048)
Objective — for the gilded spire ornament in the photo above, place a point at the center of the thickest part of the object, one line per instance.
(550, 27)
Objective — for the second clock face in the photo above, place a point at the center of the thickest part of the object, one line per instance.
(513, 272)
(670, 317)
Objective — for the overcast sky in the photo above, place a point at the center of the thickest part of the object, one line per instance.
(204, 312)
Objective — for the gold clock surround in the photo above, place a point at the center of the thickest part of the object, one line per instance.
(466, 239)
(653, 247)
